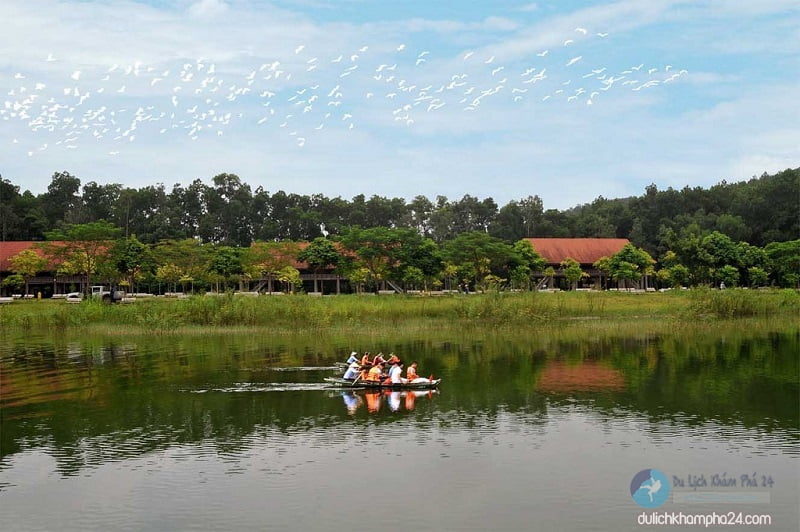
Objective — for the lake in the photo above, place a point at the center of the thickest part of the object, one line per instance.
(541, 430)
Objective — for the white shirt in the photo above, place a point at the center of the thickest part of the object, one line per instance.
(352, 371)
(394, 374)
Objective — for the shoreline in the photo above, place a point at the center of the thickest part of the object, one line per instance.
(358, 315)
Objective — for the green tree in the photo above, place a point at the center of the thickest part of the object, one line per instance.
(675, 276)
(98, 201)
(227, 220)
(757, 276)
(419, 215)
(190, 255)
(479, 255)
(509, 224)
(413, 277)
(572, 271)
(415, 251)
(374, 248)
(359, 276)
(733, 226)
(472, 214)
(521, 277)
(784, 260)
(131, 258)
(687, 246)
(169, 274)
(290, 277)
(525, 256)
(450, 273)
(442, 220)
(549, 274)
(186, 207)
(603, 265)
(630, 264)
(727, 274)
(10, 220)
(13, 282)
(319, 254)
(61, 201)
(718, 250)
(27, 263)
(226, 262)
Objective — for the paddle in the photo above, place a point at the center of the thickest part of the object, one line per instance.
(356, 379)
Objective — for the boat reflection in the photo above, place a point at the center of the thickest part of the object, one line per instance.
(396, 400)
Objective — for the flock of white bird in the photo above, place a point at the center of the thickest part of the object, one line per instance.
(300, 95)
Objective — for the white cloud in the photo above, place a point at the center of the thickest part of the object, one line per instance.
(528, 8)
(710, 78)
(208, 8)
(715, 122)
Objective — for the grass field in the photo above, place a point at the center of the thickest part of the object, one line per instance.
(292, 314)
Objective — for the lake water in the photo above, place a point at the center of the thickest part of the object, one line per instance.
(544, 432)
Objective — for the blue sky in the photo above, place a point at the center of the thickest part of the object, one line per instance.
(565, 99)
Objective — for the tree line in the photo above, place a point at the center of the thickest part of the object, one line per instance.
(368, 258)
(229, 212)
(207, 237)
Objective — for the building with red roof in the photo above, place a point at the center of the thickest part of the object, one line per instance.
(586, 251)
(46, 281)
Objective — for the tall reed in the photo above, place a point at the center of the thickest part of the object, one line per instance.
(353, 312)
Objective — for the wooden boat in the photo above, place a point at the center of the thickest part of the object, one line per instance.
(347, 383)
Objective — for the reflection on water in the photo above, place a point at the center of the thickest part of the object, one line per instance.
(247, 430)
(395, 401)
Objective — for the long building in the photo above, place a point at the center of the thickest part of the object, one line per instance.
(586, 251)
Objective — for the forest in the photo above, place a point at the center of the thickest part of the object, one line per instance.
(229, 212)
(745, 233)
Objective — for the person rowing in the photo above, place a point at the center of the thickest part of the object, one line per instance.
(374, 374)
(353, 358)
(353, 369)
(364, 373)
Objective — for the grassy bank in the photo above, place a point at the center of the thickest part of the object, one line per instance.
(291, 314)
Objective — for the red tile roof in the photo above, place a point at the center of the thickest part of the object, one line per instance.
(584, 250)
(10, 249)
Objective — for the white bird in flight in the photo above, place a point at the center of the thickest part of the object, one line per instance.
(211, 117)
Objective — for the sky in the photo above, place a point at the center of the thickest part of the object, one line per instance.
(505, 99)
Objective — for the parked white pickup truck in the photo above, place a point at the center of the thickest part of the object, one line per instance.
(110, 296)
